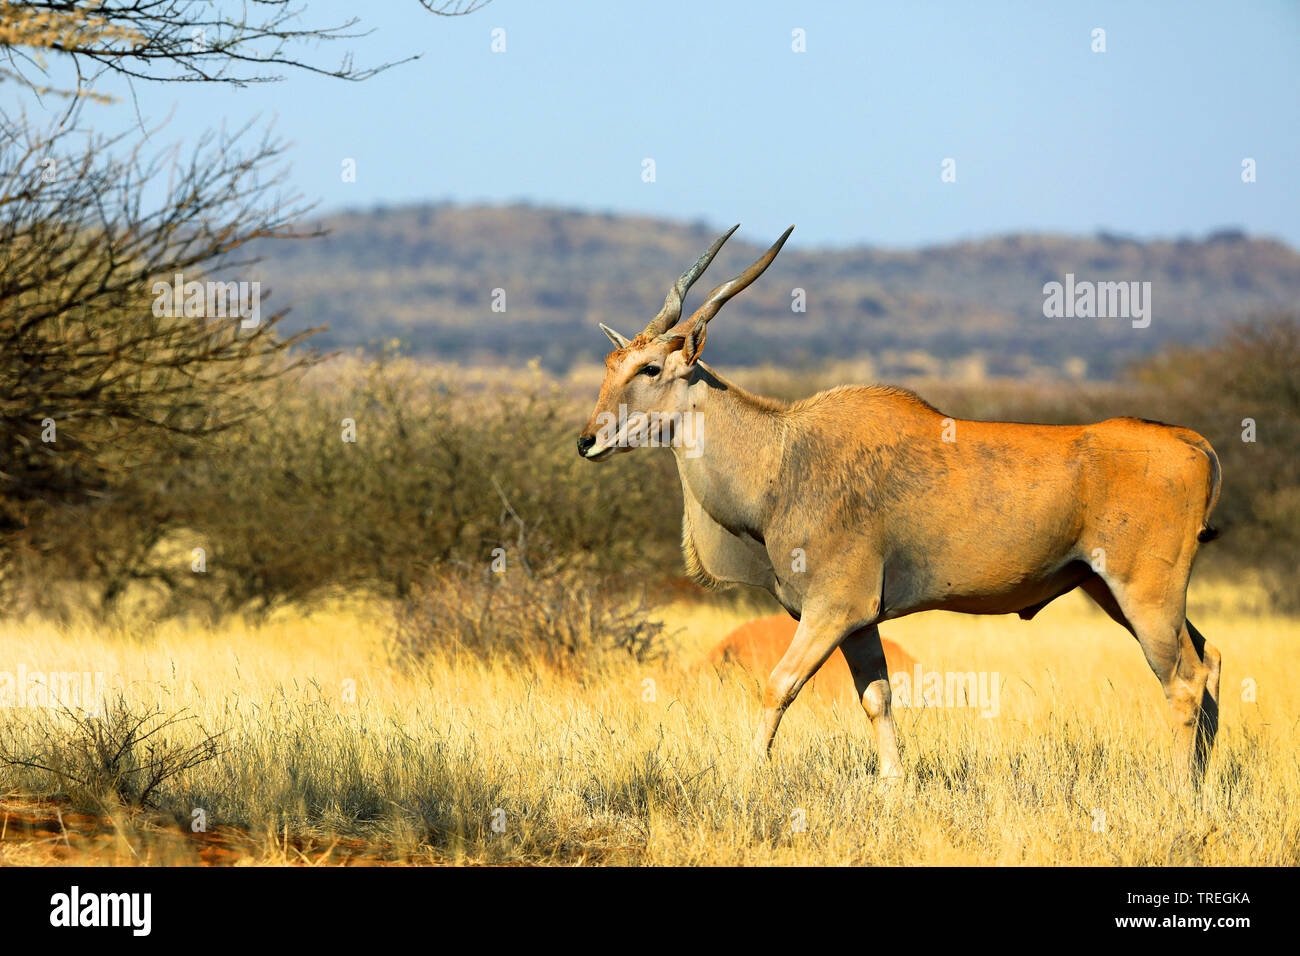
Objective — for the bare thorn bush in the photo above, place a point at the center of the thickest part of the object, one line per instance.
(121, 757)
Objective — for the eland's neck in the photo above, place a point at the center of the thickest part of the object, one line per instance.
(733, 457)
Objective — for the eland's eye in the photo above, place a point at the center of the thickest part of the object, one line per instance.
(651, 370)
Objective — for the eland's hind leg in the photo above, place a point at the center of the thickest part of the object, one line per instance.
(1186, 665)
(866, 657)
(1210, 654)
(1189, 670)
(1208, 725)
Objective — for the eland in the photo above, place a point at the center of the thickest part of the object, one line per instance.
(863, 504)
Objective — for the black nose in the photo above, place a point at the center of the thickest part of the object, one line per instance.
(584, 444)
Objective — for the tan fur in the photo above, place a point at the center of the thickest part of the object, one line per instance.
(694, 566)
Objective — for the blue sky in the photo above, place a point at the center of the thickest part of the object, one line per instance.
(845, 139)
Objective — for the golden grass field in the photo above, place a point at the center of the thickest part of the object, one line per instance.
(467, 762)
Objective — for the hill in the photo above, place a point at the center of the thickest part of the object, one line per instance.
(427, 275)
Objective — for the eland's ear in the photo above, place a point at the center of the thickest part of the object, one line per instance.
(693, 341)
(618, 340)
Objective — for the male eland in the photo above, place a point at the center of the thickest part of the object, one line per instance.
(864, 503)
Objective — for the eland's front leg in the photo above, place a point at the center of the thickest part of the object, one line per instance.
(866, 657)
(814, 641)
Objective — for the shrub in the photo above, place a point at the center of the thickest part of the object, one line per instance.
(122, 756)
(558, 618)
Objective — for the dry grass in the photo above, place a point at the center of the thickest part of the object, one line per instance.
(649, 763)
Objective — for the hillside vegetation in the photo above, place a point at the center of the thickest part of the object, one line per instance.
(427, 275)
